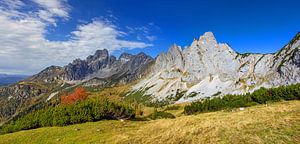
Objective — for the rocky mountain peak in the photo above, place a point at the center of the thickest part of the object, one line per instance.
(207, 37)
(174, 55)
(101, 53)
(142, 54)
(174, 49)
(124, 57)
(207, 67)
(49, 74)
(102, 65)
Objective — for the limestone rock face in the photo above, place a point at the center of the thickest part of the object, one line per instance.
(207, 68)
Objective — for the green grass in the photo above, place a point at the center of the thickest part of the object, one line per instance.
(273, 123)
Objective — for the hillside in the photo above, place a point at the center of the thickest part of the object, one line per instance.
(272, 123)
(99, 70)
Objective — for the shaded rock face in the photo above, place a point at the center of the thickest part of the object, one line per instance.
(206, 68)
(79, 69)
(100, 65)
(127, 68)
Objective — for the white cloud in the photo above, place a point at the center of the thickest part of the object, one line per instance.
(58, 8)
(51, 9)
(25, 50)
(12, 4)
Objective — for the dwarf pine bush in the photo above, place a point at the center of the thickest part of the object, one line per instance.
(62, 115)
(260, 96)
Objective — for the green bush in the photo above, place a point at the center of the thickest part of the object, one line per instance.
(260, 96)
(161, 115)
(172, 107)
(141, 98)
(88, 111)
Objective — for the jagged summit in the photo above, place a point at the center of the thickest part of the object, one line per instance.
(101, 53)
(101, 65)
(208, 36)
(207, 68)
(124, 57)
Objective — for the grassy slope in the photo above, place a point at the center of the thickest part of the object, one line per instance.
(274, 123)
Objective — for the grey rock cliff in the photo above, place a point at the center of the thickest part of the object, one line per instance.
(101, 65)
(206, 68)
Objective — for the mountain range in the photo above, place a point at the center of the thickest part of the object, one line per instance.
(6, 79)
(206, 68)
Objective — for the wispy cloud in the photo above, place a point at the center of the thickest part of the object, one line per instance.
(24, 48)
(144, 32)
(151, 37)
(51, 9)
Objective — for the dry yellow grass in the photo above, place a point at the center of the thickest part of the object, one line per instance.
(274, 123)
(115, 93)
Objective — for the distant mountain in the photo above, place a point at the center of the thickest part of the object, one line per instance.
(207, 68)
(100, 66)
(99, 69)
(6, 79)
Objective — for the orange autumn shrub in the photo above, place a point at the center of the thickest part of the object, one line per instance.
(79, 94)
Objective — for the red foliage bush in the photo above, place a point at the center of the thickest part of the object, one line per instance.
(79, 94)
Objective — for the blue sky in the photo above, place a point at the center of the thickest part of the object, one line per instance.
(261, 26)
(60, 30)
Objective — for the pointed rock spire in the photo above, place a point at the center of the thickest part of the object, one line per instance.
(208, 37)
(101, 53)
(124, 57)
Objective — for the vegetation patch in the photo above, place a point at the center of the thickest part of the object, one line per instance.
(172, 107)
(243, 55)
(138, 97)
(260, 96)
(79, 94)
(192, 94)
(179, 95)
(161, 115)
(62, 115)
(216, 94)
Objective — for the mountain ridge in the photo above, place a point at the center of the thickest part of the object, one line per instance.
(207, 68)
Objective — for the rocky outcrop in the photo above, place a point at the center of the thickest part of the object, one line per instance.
(207, 68)
(124, 69)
